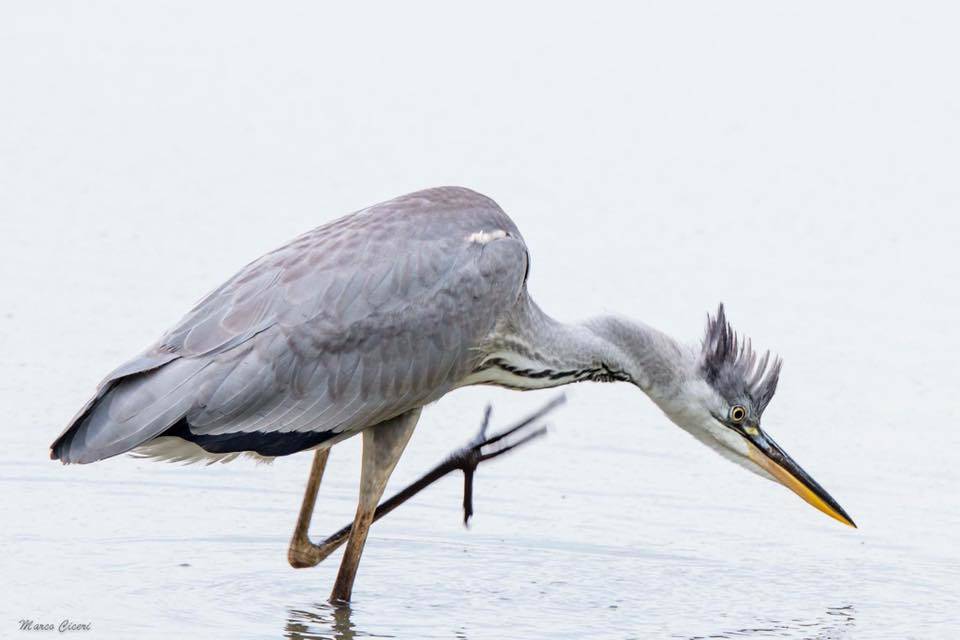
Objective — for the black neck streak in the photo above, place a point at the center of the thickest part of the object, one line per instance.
(601, 373)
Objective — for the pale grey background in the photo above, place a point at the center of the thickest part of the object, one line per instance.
(800, 164)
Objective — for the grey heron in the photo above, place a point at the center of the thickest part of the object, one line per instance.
(355, 326)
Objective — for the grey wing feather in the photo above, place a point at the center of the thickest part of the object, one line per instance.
(348, 325)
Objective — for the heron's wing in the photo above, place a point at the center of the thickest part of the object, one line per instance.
(349, 324)
(358, 321)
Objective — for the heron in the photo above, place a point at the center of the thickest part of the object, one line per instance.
(355, 326)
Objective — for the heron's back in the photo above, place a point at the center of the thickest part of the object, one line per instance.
(349, 324)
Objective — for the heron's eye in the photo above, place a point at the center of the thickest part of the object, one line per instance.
(737, 414)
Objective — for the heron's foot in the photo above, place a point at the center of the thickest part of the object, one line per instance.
(304, 553)
(484, 447)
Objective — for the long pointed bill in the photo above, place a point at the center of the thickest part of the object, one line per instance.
(775, 461)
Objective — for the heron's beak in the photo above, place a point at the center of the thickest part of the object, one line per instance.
(767, 454)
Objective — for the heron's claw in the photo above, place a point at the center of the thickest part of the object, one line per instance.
(483, 448)
(304, 553)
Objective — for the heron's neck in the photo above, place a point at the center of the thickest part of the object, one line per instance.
(534, 351)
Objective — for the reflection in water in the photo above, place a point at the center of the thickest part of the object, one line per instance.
(324, 621)
(836, 623)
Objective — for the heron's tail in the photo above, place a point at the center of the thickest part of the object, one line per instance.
(134, 404)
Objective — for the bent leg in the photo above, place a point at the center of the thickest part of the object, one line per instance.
(303, 553)
(383, 445)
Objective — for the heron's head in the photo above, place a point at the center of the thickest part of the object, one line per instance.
(722, 403)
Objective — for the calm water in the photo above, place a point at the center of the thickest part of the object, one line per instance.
(799, 166)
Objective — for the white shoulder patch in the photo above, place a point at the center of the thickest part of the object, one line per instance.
(483, 237)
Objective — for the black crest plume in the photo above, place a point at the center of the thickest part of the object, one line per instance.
(731, 366)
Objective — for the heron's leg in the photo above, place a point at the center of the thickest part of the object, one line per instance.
(303, 553)
(382, 446)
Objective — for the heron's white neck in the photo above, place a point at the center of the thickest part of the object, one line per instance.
(531, 350)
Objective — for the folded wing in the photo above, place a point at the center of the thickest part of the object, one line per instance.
(348, 325)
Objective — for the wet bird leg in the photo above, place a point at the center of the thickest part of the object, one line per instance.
(304, 553)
